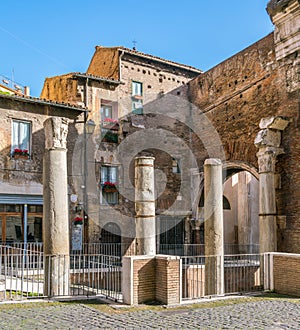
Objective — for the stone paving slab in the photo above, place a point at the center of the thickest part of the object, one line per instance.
(266, 314)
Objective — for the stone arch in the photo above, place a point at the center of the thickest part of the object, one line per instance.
(226, 203)
(233, 167)
(229, 169)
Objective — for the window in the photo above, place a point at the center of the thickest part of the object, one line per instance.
(12, 222)
(21, 134)
(137, 97)
(137, 88)
(109, 125)
(109, 183)
(106, 112)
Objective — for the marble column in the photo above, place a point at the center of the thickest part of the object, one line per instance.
(244, 217)
(56, 211)
(213, 227)
(145, 206)
(268, 141)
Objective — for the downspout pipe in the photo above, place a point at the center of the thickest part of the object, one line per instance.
(120, 58)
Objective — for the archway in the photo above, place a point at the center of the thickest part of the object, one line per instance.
(240, 210)
(241, 222)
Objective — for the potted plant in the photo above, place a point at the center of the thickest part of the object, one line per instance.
(109, 187)
(78, 221)
(110, 120)
(20, 153)
(110, 124)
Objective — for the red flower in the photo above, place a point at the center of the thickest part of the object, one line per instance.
(23, 152)
(110, 184)
(110, 120)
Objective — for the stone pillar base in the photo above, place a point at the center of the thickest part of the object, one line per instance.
(57, 274)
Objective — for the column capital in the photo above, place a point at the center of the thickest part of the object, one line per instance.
(56, 131)
(267, 159)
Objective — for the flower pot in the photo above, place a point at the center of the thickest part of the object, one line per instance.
(109, 190)
(20, 157)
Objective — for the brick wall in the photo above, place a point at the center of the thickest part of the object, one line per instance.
(234, 96)
(147, 279)
(286, 272)
(168, 279)
(144, 280)
(138, 279)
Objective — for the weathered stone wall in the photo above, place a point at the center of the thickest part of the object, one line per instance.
(105, 63)
(235, 95)
(21, 172)
(24, 176)
(157, 80)
(61, 89)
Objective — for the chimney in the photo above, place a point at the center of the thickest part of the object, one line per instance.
(26, 91)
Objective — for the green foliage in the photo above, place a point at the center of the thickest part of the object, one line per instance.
(109, 136)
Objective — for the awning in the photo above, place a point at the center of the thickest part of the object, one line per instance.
(21, 199)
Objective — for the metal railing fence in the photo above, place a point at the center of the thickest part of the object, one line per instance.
(25, 274)
(21, 273)
(199, 249)
(121, 249)
(242, 273)
(112, 249)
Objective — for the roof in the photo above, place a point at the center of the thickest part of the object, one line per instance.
(96, 78)
(156, 58)
(36, 100)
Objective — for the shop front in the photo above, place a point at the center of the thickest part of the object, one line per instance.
(20, 218)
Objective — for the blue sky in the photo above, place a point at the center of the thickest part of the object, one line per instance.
(41, 39)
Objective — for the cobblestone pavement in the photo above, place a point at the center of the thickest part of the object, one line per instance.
(266, 314)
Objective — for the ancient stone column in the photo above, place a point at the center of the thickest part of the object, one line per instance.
(213, 227)
(145, 206)
(244, 218)
(56, 212)
(268, 141)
